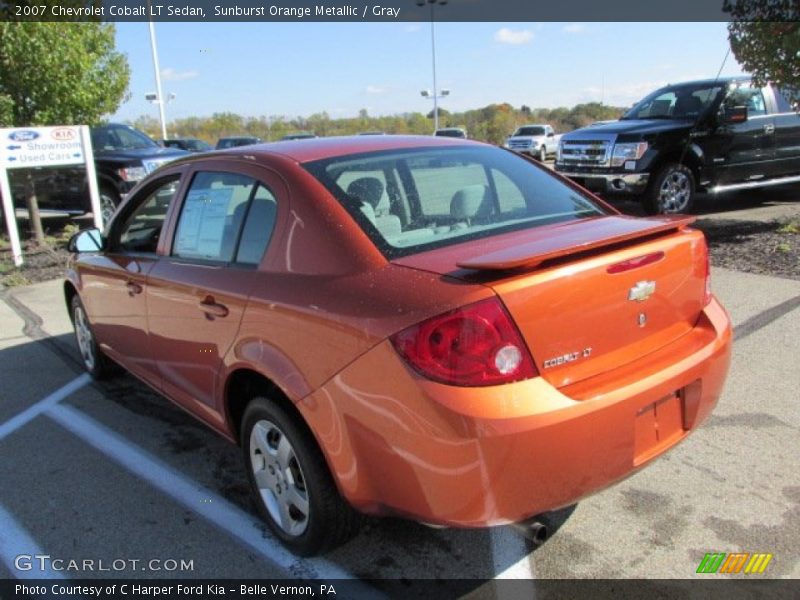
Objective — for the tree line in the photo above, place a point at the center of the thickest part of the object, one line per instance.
(491, 124)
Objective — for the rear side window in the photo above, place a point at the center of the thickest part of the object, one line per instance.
(225, 218)
(258, 226)
(785, 100)
(444, 196)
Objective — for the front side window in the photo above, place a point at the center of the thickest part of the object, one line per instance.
(212, 216)
(225, 217)
(444, 196)
(744, 95)
(142, 229)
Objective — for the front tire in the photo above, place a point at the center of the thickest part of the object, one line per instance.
(98, 365)
(109, 201)
(542, 154)
(672, 191)
(291, 482)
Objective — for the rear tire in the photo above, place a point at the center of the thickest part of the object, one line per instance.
(672, 191)
(293, 487)
(97, 364)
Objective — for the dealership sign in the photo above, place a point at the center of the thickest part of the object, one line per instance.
(31, 147)
(41, 147)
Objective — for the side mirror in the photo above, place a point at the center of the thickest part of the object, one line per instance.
(88, 240)
(733, 114)
(551, 134)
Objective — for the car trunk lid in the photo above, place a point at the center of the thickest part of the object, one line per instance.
(588, 296)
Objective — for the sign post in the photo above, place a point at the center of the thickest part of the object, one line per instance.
(11, 217)
(27, 147)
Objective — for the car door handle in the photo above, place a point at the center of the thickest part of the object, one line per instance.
(212, 308)
(769, 128)
(133, 288)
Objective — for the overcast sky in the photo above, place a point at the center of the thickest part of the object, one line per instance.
(299, 69)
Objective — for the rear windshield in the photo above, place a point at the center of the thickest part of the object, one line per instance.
(530, 131)
(409, 201)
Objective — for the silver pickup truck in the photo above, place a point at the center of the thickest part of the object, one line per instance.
(538, 141)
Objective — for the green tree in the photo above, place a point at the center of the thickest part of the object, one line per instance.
(59, 73)
(765, 39)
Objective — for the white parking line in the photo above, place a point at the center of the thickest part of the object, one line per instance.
(510, 554)
(16, 541)
(218, 511)
(35, 410)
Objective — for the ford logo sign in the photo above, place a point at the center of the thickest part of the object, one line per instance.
(24, 135)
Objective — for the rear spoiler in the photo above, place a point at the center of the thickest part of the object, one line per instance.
(573, 238)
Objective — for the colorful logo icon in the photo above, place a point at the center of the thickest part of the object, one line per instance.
(720, 562)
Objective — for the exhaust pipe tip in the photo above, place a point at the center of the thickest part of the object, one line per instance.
(535, 531)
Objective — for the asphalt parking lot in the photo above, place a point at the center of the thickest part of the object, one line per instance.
(112, 471)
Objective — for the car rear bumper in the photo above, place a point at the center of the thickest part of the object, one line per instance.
(399, 444)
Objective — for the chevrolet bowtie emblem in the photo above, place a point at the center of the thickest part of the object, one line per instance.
(642, 291)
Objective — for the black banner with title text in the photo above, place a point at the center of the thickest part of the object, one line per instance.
(441, 589)
(384, 10)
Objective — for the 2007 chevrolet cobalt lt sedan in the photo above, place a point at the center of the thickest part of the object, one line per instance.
(417, 326)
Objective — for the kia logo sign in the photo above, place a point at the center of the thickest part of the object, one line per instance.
(23, 135)
(63, 134)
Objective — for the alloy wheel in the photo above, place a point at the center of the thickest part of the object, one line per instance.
(83, 333)
(675, 192)
(279, 478)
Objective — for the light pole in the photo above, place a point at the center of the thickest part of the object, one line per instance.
(435, 95)
(158, 73)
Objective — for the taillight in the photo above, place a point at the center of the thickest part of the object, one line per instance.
(707, 268)
(474, 345)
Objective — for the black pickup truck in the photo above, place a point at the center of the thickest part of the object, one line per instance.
(122, 156)
(714, 136)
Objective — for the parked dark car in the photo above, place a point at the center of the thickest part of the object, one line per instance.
(301, 135)
(715, 135)
(236, 141)
(188, 144)
(453, 132)
(123, 156)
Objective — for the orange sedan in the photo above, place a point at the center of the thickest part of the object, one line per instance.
(416, 326)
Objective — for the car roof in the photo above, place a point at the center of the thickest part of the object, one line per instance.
(329, 147)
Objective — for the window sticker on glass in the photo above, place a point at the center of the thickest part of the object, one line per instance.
(203, 223)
